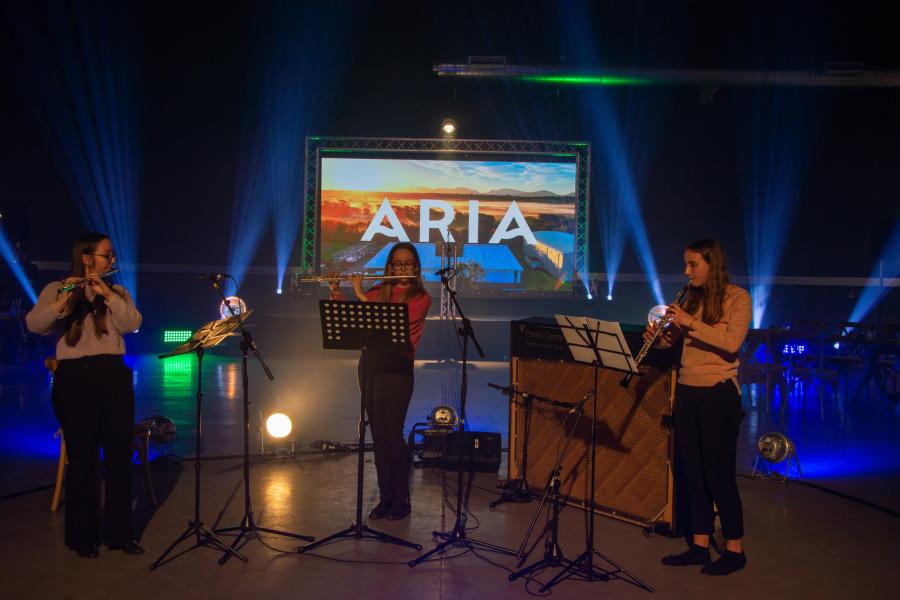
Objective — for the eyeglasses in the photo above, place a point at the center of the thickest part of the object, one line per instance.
(109, 256)
(404, 265)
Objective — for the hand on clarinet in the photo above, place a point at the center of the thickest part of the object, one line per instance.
(677, 315)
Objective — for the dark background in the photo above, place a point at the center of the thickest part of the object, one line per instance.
(196, 86)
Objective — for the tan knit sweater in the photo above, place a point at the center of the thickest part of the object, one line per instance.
(711, 351)
(122, 317)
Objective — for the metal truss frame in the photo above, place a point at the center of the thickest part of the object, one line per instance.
(316, 146)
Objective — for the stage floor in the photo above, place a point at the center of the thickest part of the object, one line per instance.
(802, 541)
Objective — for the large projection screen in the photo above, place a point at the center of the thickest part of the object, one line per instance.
(512, 216)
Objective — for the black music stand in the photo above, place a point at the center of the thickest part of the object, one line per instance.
(598, 343)
(350, 325)
(209, 335)
(248, 523)
(458, 536)
(553, 555)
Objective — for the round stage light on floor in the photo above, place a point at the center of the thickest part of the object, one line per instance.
(443, 417)
(609, 297)
(278, 425)
(775, 448)
(448, 128)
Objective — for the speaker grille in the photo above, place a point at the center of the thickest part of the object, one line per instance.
(632, 479)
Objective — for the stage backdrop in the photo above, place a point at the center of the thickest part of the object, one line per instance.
(512, 216)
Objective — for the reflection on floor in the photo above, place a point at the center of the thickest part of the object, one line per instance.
(801, 541)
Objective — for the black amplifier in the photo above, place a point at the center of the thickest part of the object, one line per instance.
(481, 451)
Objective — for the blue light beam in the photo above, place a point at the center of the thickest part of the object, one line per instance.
(299, 61)
(9, 255)
(77, 66)
(621, 158)
(774, 146)
(887, 267)
(778, 142)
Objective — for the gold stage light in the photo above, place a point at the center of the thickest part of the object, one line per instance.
(278, 428)
(279, 425)
(443, 417)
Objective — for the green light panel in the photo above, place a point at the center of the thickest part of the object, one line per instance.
(176, 335)
(606, 80)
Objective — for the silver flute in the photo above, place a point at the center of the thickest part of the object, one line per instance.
(71, 286)
(329, 278)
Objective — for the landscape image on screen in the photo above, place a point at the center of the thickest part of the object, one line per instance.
(512, 223)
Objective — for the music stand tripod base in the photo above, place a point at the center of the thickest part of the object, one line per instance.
(597, 343)
(209, 335)
(248, 523)
(364, 326)
(457, 535)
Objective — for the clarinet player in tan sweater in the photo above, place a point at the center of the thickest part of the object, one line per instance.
(93, 393)
(708, 413)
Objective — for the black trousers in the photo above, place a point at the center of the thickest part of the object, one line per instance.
(386, 381)
(707, 422)
(94, 401)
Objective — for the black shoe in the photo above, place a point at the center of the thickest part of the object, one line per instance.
(380, 510)
(695, 555)
(129, 547)
(86, 551)
(400, 509)
(726, 564)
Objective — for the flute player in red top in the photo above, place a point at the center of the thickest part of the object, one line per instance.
(389, 378)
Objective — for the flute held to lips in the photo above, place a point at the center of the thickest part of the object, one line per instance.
(80, 282)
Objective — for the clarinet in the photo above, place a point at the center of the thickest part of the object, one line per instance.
(661, 325)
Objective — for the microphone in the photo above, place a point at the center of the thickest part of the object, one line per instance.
(215, 277)
(509, 390)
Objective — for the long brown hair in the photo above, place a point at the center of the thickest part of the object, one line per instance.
(712, 294)
(415, 288)
(71, 326)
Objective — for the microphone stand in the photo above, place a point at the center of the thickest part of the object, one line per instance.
(457, 535)
(248, 523)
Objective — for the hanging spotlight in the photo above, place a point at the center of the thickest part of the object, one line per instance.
(448, 128)
(775, 448)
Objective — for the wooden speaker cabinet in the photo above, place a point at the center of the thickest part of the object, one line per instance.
(635, 444)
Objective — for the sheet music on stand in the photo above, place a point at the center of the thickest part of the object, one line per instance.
(209, 335)
(585, 334)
